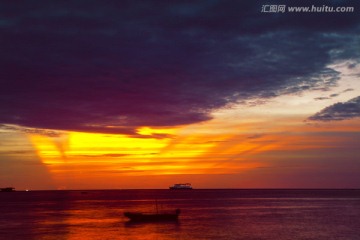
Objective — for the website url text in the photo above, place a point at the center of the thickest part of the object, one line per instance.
(312, 9)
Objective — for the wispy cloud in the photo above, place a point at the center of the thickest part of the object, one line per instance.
(334, 94)
(45, 132)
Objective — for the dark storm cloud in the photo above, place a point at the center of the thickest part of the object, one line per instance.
(339, 111)
(111, 66)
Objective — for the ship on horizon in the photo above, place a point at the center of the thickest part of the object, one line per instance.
(7, 189)
(181, 186)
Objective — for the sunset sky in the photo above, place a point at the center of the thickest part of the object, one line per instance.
(145, 94)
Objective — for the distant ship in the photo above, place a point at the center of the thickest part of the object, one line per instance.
(7, 189)
(181, 186)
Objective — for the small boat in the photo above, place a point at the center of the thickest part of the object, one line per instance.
(181, 186)
(7, 189)
(152, 217)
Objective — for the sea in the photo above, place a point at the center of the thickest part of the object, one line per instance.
(281, 214)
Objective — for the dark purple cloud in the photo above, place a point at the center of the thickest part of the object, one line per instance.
(339, 111)
(112, 66)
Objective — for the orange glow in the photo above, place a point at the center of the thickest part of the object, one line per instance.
(79, 156)
(196, 149)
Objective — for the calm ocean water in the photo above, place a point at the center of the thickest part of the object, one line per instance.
(206, 214)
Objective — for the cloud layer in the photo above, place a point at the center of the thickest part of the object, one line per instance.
(116, 65)
(339, 111)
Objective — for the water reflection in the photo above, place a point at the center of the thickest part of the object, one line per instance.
(71, 215)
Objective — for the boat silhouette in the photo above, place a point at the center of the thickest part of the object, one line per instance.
(153, 217)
